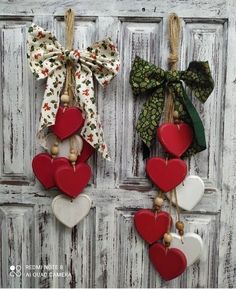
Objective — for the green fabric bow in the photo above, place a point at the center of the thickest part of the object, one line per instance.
(146, 78)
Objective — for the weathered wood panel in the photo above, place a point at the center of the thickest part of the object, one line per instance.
(140, 38)
(104, 250)
(205, 40)
(16, 105)
(17, 243)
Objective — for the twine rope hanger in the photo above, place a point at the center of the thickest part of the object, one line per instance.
(174, 29)
(69, 36)
(70, 79)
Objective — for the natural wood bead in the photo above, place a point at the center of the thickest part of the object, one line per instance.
(72, 156)
(158, 201)
(167, 244)
(181, 232)
(179, 225)
(175, 114)
(167, 237)
(177, 121)
(156, 208)
(55, 149)
(65, 98)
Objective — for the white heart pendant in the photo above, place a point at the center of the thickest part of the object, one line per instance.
(71, 211)
(65, 146)
(191, 246)
(189, 192)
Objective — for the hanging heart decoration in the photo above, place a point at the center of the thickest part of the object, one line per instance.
(175, 138)
(151, 226)
(189, 192)
(69, 111)
(169, 263)
(190, 244)
(181, 134)
(71, 180)
(49, 60)
(166, 174)
(68, 121)
(71, 212)
(44, 167)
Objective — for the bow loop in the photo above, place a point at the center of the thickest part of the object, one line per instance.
(144, 76)
(151, 80)
(198, 78)
(48, 58)
(102, 58)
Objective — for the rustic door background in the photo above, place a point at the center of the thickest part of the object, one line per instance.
(104, 249)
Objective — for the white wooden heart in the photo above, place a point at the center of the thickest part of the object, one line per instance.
(70, 212)
(64, 146)
(192, 246)
(189, 192)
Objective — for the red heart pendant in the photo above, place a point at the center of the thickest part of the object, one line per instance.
(72, 180)
(44, 167)
(150, 226)
(86, 153)
(175, 138)
(166, 174)
(68, 121)
(169, 262)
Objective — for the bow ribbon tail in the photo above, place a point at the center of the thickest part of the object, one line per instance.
(92, 131)
(199, 132)
(51, 102)
(149, 119)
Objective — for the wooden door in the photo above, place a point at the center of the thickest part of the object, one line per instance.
(104, 250)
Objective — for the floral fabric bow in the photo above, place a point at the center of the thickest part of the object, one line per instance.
(148, 79)
(47, 59)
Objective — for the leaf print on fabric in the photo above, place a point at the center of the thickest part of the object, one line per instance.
(47, 59)
(148, 79)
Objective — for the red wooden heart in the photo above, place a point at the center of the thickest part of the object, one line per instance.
(68, 121)
(150, 226)
(71, 180)
(44, 167)
(166, 174)
(175, 138)
(169, 262)
(86, 153)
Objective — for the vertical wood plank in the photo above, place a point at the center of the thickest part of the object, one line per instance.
(227, 264)
(17, 244)
(206, 40)
(16, 105)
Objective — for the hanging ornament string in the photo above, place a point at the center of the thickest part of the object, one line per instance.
(174, 39)
(69, 34)
(174, 27)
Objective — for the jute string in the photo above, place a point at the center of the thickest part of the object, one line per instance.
(70, 79)
(174, 28)
(69, 35)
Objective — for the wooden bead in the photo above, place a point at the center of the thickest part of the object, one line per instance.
(177, 121)
(72, 156)
(179, 225)
(167, 237)
(55, 149)
(181, 232)
(175, 114)
(65, 98)
(156, 208)
(167, 244)
(158, 201)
